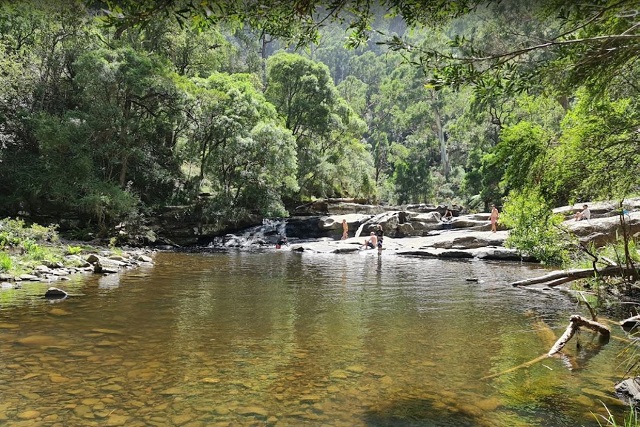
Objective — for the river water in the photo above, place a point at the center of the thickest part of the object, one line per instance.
(288, 339)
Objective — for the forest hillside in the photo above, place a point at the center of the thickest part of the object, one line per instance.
(111, 111)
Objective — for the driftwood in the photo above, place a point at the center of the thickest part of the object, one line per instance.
(546, 333)
(563, 276)
(631, 322)
(574, 324)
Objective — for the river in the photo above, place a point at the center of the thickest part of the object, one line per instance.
(289, 339)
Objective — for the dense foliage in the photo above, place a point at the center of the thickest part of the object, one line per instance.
(110, 111)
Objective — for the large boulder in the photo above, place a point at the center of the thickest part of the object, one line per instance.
(422, 228)
(429, 218)
(598, 209)
(466, 222)
(304, 227)
(406, 230)
(501, 254)
(471, 241)
(334, 222)
(603, 230)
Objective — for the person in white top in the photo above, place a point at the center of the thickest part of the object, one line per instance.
(585, 214)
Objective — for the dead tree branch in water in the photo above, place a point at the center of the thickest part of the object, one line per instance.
(575, 323)
(563, 276)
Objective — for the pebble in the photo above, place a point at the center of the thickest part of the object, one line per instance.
(28, 415)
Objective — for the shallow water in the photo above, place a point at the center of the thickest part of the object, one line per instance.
(289, 339)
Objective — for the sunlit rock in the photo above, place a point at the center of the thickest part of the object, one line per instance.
(600, 231)
(144, 258)
(57, 378)
(116, 420)
(42, 269)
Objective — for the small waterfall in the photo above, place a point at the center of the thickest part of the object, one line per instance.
(259, 235)
(373, 220)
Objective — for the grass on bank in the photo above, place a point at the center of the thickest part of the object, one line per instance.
(630, 420)
(24, 246)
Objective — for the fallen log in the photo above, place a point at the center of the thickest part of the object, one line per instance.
(563, 276)
(579, 273)
(575, 323)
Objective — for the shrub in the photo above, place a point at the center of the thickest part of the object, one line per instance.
(13, 232)
(534, 227)
(73, 250)
(5, 262)
(34, 251)
(107, 204)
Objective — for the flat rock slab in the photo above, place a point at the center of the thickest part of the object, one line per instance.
(446, 244)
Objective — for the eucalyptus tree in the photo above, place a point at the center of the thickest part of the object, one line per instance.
(323, 124)
(245, 155)
(528, 131)
(412, 175)
(191, 51)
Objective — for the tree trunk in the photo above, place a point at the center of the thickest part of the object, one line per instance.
(563, 276)
(444, 155)
(123, 171)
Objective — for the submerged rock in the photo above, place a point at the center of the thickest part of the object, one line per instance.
(55, 293)
(629, 390)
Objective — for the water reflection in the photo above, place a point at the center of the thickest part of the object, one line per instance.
(110, 281)
(282, 338)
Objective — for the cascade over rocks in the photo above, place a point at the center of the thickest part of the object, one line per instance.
(414, 230)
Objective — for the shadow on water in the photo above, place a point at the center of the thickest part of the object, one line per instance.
(416, 413)
(553, 411)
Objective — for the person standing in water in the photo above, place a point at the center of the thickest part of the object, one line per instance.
(494, 218)
(345, 229)
(380, 236)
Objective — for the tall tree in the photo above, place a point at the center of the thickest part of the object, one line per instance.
(245, 154)
(322, 123)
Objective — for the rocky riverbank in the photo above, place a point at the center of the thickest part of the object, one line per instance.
(98, 261)
(419, 230)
